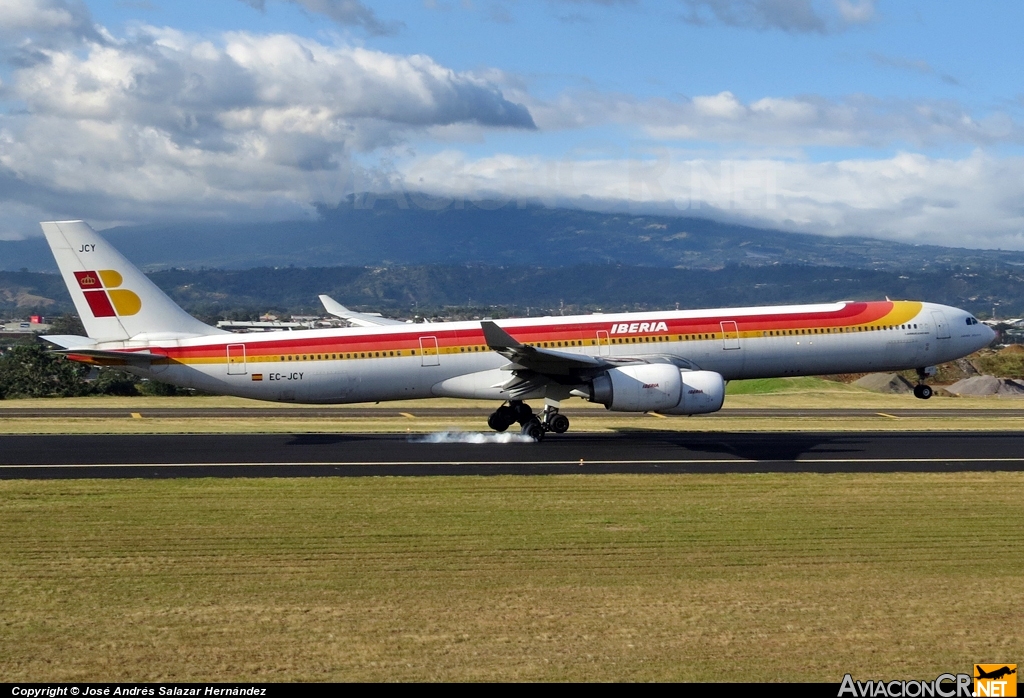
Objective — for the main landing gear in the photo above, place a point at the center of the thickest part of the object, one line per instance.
(921, 390)
(530, 424)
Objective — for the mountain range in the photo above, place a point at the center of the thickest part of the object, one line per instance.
(507, 235)
(507, 259)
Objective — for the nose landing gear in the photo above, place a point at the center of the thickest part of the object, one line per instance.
(921, 390)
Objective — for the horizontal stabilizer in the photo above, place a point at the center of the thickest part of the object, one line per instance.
(110, 358)
(66, 341)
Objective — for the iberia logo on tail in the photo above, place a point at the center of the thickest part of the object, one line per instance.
(103, 295)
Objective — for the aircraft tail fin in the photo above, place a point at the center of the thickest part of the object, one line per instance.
(114, 299)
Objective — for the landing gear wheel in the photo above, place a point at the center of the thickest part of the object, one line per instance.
(534, 430)
(923, 391)
(522, 412)
(559, 424)
(498, 422)
(503, 417)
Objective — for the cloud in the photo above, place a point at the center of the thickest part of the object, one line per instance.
(164, 124)
(967, 202)
(54, 21)
(805, 121)
(795, 16)
(343, 12)
(914, 66)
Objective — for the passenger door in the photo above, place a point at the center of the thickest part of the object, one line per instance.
(429, 354)
(730, 335)
(236, 360)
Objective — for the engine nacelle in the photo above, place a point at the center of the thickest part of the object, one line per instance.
(658, 388)
(703, 392)
(641, 388)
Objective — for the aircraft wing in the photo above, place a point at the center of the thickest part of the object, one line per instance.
(358, 319)
(556, 372)
(543, 361)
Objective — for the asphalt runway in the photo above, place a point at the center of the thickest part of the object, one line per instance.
(482, 412)
(636, 451)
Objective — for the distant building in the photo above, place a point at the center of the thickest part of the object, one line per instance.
(31, 326)
(298, 322)
(11, 330)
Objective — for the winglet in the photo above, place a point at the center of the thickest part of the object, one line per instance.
(334, 307)
(358, 319)
(498, 338)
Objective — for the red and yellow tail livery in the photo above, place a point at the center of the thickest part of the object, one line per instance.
(105, 299)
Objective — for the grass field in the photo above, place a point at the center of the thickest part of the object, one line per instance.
(732, 577)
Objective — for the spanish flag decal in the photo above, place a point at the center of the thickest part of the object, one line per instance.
(104, 297)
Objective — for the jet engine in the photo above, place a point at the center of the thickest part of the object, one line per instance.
(658, 388)
(703, 392)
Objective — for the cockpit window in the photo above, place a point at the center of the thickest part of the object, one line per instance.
(972, 321)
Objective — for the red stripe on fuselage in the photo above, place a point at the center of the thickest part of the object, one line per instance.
(851, 314)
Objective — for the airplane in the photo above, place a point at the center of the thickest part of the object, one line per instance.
(668, 362)
(994, 674)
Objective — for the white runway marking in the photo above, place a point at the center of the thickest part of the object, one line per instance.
(703, 461)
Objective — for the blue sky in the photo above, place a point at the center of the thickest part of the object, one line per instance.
(894, 120)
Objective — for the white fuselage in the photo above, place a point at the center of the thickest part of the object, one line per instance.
(452, 359)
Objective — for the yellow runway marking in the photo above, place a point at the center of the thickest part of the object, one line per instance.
(407, 415)
(655, 414)
(890, 416)
(136, 415)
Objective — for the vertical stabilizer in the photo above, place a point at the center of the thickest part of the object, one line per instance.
(115, 300)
